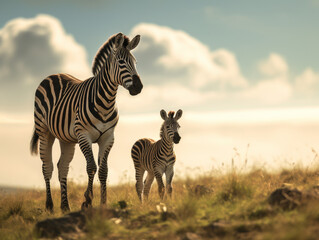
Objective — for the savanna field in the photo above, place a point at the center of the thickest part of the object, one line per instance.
(213, 206)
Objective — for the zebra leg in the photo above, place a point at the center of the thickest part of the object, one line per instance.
(159, 179)
(147, 184)
(86, 148)
(104, 148)
(67, 152)
(139, 173)
(46, 142)
(169, 177)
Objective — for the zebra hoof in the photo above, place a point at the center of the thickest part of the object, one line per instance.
(65, 208)
(49, 206)
(85, 206)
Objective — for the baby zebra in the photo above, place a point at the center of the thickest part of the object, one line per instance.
(158, 157)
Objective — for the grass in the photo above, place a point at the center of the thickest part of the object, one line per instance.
(235, 207)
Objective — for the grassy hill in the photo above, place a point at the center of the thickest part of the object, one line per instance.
(232, 206)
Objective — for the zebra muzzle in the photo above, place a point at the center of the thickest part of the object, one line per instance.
(176, 138)
(136, 87)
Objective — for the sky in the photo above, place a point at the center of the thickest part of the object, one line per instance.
(245, 73)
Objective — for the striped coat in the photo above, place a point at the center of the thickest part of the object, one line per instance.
(84, 112)
(157, 157)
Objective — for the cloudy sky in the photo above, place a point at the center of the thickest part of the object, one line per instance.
(246, 74)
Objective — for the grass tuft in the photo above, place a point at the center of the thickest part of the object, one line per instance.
(99, 226)
(15, 208)
(187, 208)
(235, 187)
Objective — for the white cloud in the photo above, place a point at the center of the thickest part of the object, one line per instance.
(185, 59)
(307, 83)
(179, 70)
(276, 87)
(30, 50)
(309, 115)
(273, 66)
(168, 96)
(271, 91)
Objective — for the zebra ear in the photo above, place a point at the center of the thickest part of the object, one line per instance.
(178, 114)
(133, 43)
(163, 114)
(119, 39)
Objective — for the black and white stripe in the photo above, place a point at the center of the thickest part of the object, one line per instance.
(157, 158)
(84, 112)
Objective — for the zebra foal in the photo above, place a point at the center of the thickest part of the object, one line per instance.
(157, 157)
(84, 112)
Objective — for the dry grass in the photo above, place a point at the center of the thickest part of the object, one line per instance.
(236, 208)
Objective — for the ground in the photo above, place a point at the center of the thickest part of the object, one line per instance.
(213, 206)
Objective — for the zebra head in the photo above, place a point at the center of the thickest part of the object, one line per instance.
(170, 126)
(125, 63)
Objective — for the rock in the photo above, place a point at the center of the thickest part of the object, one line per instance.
(288, 198)
(122, 204)
(55, 227)
(217, 228)
(168, 215)
(75, 223)
(191, 236)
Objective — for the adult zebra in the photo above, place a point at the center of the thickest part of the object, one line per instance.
(157, 157)
(83, 112)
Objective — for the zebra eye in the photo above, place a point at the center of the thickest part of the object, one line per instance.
(121, 61)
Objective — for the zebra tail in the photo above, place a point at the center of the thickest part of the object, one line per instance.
(34, 143)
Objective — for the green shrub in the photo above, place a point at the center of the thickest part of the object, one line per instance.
(235, 187)
(187, 208)
(15, 208)
(98, 226)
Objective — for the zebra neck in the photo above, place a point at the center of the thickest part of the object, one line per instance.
(106, 90)
(166, 145)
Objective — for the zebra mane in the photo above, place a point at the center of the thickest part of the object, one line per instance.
(103, 53)
(171, 114)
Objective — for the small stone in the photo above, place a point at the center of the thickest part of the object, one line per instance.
(191, 236)
(122, 204)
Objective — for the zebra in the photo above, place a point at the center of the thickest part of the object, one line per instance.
(157, 157)
(84, 112)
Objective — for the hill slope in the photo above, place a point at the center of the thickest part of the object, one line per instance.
(232, 206)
